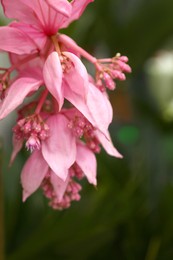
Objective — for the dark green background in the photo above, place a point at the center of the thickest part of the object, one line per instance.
(130, 214)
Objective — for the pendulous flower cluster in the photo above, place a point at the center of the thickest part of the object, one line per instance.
(67, 122)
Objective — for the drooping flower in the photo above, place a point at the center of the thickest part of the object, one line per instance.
(63, 139)
(56, 164)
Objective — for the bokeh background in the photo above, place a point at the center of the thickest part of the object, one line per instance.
(130, 214)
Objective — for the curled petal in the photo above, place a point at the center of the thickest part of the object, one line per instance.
(17, 146)
(76, 77)
(33, 173)
(59, 149)
(100, 108)
(107, 144)
(16, 94)
(86, 160)
(52, 73)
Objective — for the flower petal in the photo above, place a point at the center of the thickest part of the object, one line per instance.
(15, 41)
(59, 149)
(17, 146)
(33, 173)
(38, 37)
(86, 160)
(100, 108)
(61, 6)
(59, 185)
(16, 94)
(107, 144)
(78, 8)
(75, 85)
(77, 76)
(52, 73)
(17, 9)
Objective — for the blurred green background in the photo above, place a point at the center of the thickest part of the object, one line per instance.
(130, 214)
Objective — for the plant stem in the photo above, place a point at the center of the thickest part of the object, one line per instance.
(1, 209)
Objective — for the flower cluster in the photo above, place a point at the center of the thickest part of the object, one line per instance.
(67, 122)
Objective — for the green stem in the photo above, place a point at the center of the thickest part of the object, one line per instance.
(1, 209)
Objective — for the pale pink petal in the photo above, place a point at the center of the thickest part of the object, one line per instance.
(107, 144)
(52, 73)
(96, 108)
(78, 102)
(61, 6)
(77, 76)
(78, 7)
(16, 94)
(59, 185)
(33, 173)
(86, 160)
(75, 85)
(17, 146)
(100, 108)
(15, 41)
(59, 149)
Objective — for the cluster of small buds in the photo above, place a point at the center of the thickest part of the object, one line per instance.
(71, 193)
(33, 130)
(108, 70)
(81, 127)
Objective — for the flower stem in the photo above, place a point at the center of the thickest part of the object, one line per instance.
(41, 101)
(68, 42)
(1, 209)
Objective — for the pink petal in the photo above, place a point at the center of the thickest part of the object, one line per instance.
(100, 108)
(77, 76)
(59, 149)
(78, 8)
(33, 173)
(16, 94)
(15, 41)
(52, 73)
(59, 185)
(17, 146)
(38, 37)
(17, 9)
(61, 6)
(87, 162)
(96, 108)
(107, 144)
(48, 19)
(75, 85)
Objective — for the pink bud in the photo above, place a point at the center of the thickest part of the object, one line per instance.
(33, 143)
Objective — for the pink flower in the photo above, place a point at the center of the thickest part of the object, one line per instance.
(63, 137)
(38, 21)
(37, 173)
(63, 156)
